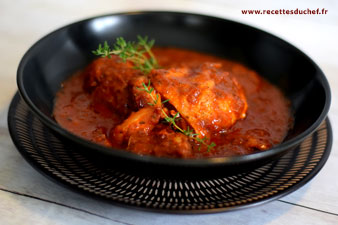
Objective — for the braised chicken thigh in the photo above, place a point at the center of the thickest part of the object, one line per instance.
(210, 99)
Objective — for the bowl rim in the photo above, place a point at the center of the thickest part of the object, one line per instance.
(228, 160)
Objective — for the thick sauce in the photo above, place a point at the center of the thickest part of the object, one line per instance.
(257, 114)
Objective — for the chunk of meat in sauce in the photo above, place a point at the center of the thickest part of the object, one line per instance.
(162, 142)
(107, 80)
(142, 121)
(140, 96)
(208, 98)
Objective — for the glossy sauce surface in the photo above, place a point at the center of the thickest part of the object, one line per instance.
(223, 101)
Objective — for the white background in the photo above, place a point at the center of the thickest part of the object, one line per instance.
(24, 22)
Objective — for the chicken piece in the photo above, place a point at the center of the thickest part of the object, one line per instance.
(208, 98)
(100, 136)
(107, 80)
(258, 139)
(162, 142)
(141, 97)
(240, 142)
(172, 144)
(142, 121)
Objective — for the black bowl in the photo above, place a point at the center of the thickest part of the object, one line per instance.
(58, 55)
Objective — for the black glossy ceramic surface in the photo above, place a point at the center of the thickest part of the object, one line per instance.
(56, 56)
(59, 160)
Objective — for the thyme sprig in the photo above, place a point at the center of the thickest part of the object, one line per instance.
(172, 120)
(140, 54)
(137, 52)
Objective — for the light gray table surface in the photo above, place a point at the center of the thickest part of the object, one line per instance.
(27, 197)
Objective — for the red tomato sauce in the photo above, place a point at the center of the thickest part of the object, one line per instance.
(222, 101)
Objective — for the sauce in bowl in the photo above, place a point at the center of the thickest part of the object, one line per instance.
(219, 100)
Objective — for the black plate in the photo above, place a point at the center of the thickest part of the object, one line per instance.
(55, 157)
(56, 56)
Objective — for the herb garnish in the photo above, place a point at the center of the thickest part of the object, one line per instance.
(135, 52)
(141, 56)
